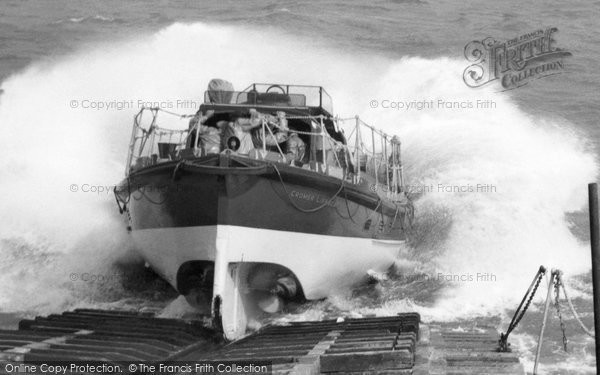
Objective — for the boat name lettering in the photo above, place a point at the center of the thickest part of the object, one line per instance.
(310, 197)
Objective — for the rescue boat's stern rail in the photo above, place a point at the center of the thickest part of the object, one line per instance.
(316, 142)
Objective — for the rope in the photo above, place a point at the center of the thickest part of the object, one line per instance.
(395, 217)
(304, 209)
(344, 119)
(572, 308)
(556, 282)
(350, 216)
(334, 145)
(169, 112)
(309, 117)
(144, 195)
(375, 211)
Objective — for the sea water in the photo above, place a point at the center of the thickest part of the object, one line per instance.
(498, 177)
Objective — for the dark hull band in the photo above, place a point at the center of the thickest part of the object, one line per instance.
(230, 190)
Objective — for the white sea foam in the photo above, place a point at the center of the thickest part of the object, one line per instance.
(538, 166)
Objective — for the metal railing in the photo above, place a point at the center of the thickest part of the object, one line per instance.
(367, 155)
(314, 96)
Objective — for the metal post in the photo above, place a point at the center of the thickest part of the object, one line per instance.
(357, 150)
(264, 139)
(595, 243)
(323, 151)
(153, 130)
(136, 124)
(538, 352)
(394, 169)
(401, 168)
(375, 168)
(196, 127)
(320, 97)
(387, 166)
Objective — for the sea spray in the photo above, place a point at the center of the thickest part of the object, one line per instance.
(52, 144)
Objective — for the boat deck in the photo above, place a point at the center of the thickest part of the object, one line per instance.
(391, 345)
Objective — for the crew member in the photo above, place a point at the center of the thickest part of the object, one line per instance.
(295, 149)
(210, 137)
(276, 133)
(241, 129)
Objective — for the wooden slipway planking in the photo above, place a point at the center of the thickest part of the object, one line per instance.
(384, 345)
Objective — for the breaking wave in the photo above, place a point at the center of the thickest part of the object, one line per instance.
(491, 184)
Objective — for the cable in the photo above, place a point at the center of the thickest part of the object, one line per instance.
(329, 201)
(583, 327)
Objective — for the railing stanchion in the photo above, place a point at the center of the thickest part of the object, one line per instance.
(323, 151)
(357, 149)
(387, 165)
(264, 139)
(136, 124)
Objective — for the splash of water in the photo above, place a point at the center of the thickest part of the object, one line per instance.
(538, 167)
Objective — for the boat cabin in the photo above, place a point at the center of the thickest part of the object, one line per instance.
(279, 123)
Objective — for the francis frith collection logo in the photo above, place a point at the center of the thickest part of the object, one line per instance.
(514, 62)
